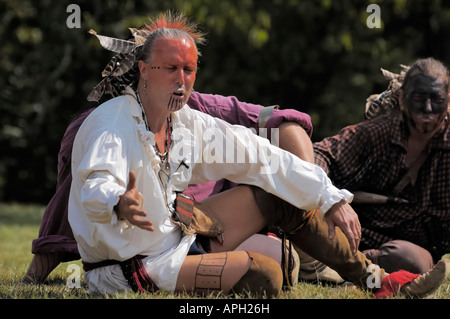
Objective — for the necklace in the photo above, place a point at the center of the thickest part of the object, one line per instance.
(164, 157)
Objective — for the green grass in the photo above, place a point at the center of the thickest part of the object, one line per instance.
(19, 225)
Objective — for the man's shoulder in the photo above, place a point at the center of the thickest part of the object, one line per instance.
(112, 115)
(189, 114)
(383, 124)
(111, 111)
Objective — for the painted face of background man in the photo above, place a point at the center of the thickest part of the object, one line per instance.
(425, 102)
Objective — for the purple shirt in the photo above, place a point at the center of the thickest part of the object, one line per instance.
(55, 234)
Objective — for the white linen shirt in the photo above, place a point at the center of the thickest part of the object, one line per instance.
(113, 140)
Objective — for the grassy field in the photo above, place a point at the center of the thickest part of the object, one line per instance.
(19, 225)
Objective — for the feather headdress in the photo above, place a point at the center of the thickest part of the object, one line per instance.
(122, 70)
(378, 104)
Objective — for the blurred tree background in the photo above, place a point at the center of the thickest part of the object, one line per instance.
(319, 57)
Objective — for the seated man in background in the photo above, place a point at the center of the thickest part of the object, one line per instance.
(398, 166)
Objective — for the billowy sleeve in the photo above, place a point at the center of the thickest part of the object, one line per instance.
(236, 153)
(103, 172)
(102, 161)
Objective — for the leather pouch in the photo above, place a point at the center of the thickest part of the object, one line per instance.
(194, 220)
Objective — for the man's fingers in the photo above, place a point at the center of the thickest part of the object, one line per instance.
(350, 231)
(353, 245)
(351, 227)
(130, 201)
(130, 210)
(353, 240)
(358, 238)
(144, 224)
(357, 235)
(138, 212)
(135, 219)
(331, 230)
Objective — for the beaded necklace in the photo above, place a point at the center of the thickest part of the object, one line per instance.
(164, 157)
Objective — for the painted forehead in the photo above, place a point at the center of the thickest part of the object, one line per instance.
(175, 50)
(422, 83)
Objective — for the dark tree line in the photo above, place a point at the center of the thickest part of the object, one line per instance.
(319, 57)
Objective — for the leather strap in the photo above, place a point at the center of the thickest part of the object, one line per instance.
(264, 115)
(411, 175)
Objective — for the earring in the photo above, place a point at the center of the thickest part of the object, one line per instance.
(145, 86)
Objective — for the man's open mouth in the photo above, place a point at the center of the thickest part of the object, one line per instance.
(179, 92)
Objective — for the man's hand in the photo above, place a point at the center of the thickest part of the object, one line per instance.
(343, 216)
(128, 206)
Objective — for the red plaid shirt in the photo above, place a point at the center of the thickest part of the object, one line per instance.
(370, 156)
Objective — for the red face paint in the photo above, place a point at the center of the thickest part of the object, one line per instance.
(171, 82)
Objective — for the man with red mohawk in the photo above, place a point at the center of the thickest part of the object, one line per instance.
(133, 228)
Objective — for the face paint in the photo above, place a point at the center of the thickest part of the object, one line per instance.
(174, 104)
(425, 102)
(175, 61)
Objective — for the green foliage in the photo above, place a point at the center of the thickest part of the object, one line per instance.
(315, 56)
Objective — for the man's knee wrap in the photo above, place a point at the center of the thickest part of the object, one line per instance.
(263, 278)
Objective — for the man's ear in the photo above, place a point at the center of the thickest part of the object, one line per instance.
(143, 69)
